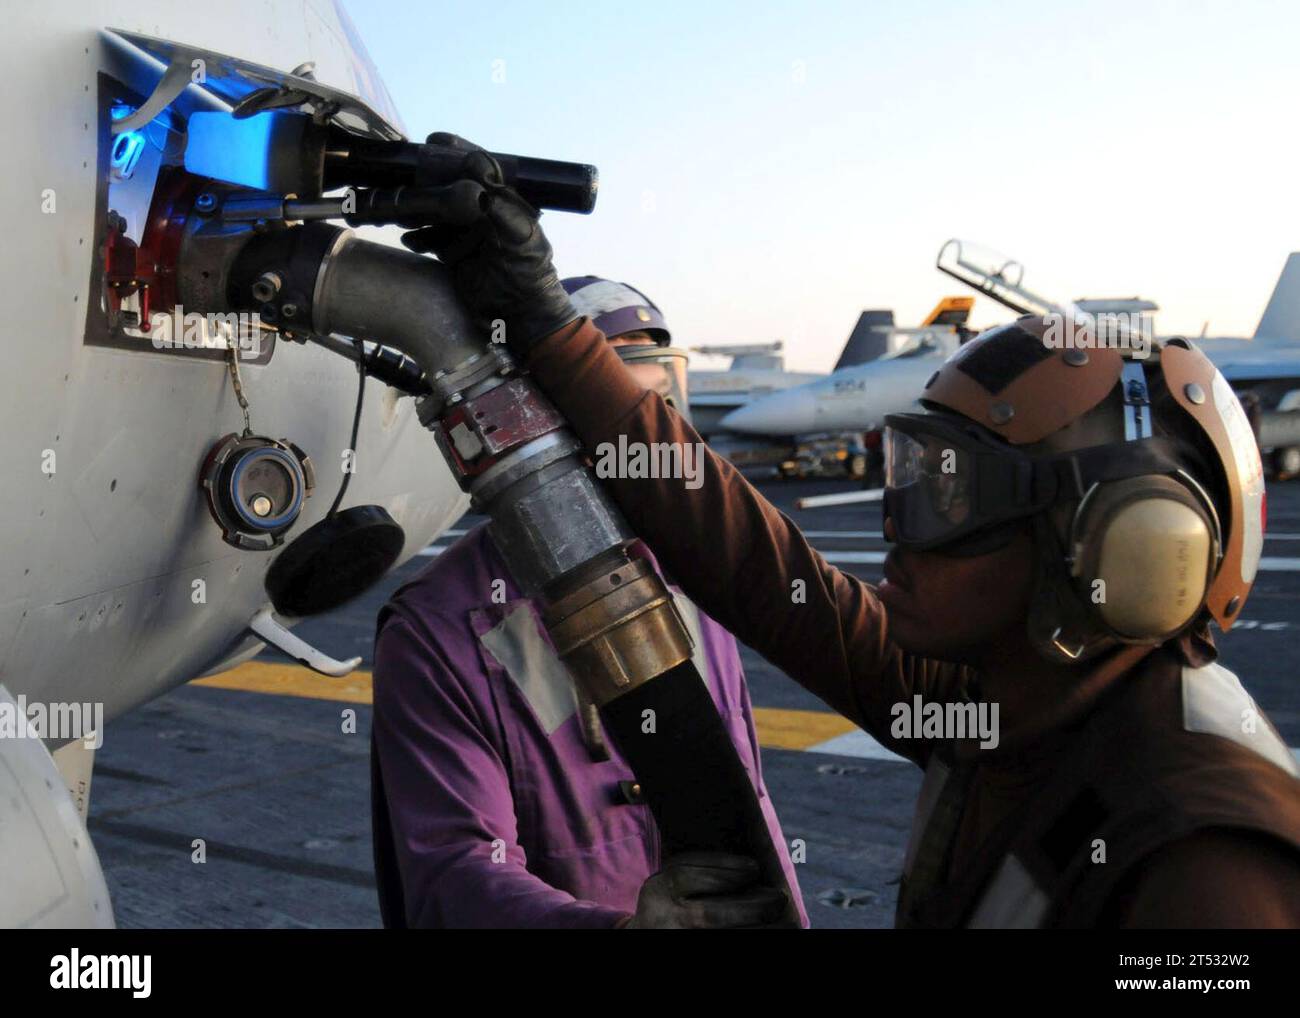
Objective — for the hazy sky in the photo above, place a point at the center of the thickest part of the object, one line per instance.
(768, 170)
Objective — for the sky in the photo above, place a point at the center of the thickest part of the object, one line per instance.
(768, 170)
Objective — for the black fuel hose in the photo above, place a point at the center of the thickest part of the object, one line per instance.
(691, 776)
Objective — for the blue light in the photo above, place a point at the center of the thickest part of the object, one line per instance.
(126, 152)
(126, 146)
(236, 151)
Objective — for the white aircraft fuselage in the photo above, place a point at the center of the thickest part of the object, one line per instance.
(115, 582)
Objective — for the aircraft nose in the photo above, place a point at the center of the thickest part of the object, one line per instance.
(782, 413)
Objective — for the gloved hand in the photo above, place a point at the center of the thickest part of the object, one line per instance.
(707, 891)
(499, 257)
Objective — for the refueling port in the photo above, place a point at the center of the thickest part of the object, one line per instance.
(256, 488)
(155, 293)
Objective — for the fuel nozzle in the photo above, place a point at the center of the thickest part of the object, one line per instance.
(287, 153)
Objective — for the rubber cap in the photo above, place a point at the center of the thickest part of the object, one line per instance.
(333, 561)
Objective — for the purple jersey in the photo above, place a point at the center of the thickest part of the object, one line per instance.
(491, 808)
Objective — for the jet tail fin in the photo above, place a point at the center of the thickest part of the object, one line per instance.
(868, 340)
(950, 311)
(1281, 318)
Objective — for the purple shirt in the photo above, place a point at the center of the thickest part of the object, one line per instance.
(498, 813)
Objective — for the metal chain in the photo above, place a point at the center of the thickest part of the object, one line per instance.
(232, 358)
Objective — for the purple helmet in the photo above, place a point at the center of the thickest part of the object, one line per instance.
(616, 308)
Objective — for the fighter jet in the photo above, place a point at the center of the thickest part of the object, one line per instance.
(856, 397)
(156, 482)
(756, 370)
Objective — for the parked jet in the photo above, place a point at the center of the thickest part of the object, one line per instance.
(756, 370)
(856, 397)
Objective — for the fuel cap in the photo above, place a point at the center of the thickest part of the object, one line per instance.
(334, 560)
(255, 488)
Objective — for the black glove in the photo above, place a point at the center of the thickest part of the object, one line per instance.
(499, 257)
(707, 891)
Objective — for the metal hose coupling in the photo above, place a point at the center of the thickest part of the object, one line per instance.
(618, 629)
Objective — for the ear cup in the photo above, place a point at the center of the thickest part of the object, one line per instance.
(1144, 552)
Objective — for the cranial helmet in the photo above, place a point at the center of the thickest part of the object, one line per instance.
(617, 309)
(1136, 466)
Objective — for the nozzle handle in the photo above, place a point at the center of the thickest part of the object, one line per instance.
(550, 183)
(544, 183)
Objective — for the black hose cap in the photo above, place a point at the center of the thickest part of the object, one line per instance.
(334, 561)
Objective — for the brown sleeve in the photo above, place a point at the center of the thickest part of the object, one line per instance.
(734, 553)
(1215, 879)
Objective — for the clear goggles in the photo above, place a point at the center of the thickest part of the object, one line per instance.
(946, 482)
(950, 485)
(661, 369)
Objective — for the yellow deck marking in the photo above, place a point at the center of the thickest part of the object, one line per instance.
(291, 680)
(777, 729)
(797, 729)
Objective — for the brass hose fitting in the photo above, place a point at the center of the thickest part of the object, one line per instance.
(619, 629)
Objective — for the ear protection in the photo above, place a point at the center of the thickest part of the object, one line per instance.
(1142, 553)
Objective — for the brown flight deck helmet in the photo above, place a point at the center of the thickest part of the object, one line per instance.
(1137, 468)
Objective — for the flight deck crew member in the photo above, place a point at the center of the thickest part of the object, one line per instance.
(498, 800)
(1067, 520)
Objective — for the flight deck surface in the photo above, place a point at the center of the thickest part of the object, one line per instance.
(256, 762)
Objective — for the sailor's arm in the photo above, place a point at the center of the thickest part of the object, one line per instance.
(734, 553)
